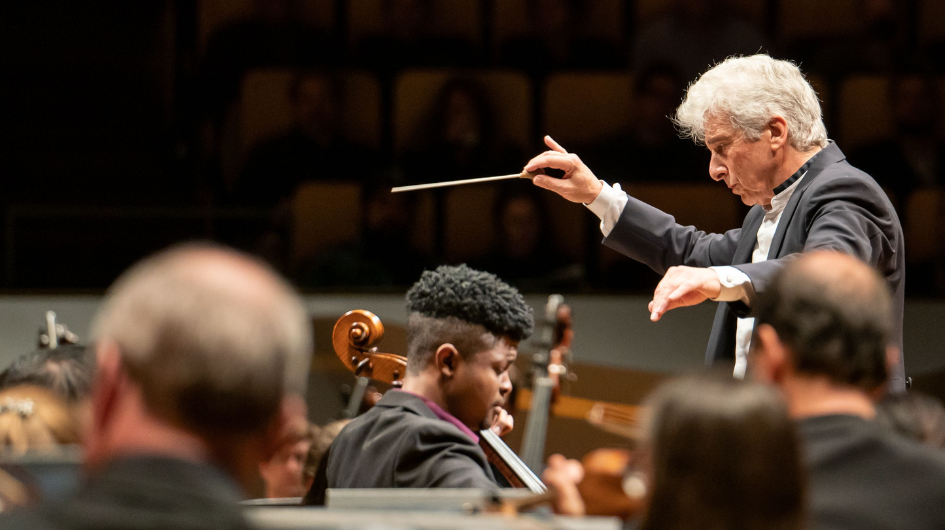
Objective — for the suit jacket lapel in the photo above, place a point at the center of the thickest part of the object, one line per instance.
(829, 155)
(775, 250)
(749, 235)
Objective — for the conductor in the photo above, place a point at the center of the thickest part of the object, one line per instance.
(761, 121)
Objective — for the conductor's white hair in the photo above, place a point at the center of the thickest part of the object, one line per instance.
(748, 92)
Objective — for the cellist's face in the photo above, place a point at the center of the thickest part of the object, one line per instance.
(481, 383)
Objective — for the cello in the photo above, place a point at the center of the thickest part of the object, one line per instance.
(355, 338)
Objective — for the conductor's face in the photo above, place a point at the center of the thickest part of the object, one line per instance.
(746, 167)
(480, 385)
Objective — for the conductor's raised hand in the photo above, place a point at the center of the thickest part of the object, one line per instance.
(578, 183)
(683, 286)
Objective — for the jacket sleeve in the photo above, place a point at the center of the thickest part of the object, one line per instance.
(433, 457)
(653, 237)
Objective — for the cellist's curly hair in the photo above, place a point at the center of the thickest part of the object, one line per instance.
(457, 305)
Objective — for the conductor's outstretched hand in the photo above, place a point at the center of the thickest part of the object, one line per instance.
(578, 183)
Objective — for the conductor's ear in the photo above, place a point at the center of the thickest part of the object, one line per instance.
(447, 360)
(779, 130)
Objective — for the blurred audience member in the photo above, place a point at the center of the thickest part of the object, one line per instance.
(283, 473)
(202, 357)
(66, 370)
(880, 43)
(693, 35)
(525, 254)
(914, 157)
(822, 335)
(555, 41)
(34, 419)
(651, 148)
(384, 256)
(321, 441)
(916, 416)
(407, 40)
(457, 139)
(313, 148)
(273, 36)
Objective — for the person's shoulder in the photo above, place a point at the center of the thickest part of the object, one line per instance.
(439, 431)
(838, 439)
(915, 454)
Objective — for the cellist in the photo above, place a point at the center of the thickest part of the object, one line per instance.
(463, 331)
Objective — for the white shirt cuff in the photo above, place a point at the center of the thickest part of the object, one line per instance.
(736, 285)
(608, 205)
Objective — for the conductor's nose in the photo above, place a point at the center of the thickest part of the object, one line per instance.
(716, 170)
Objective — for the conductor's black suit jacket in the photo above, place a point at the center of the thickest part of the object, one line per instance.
(835, 207)
(400, 443)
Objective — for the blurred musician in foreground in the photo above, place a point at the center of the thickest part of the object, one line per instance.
(462, 333)
(202, 357)
(686, 475)
(761, 121)
(823, 335)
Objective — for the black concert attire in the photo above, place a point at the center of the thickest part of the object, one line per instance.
(145, 493)
(403, 443)
(864, 478)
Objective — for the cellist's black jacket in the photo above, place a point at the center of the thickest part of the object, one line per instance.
(835, 207)
(400, 443)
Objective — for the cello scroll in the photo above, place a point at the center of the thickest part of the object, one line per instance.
(354, 338)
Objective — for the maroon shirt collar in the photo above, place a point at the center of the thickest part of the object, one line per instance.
(442, 414)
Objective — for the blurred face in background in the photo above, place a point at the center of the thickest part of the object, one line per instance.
(463, 123)
(314, 107)
(283, 472)
(656, 99)
(915, 106)
(407, 18)
(521, 225)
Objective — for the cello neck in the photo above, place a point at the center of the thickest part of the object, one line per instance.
(536, 427)
(508, 463)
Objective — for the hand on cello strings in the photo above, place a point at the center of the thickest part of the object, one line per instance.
(578, 183)
(502, 422)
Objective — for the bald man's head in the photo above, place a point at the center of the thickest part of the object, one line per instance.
(834, 313)
(213, 337)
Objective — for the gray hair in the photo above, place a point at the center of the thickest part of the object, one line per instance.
(214, 338)
(749, 91)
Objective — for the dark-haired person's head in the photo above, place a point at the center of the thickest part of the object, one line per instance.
(463, 331)
(67, 371)
(723, 452)
(824, 319)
